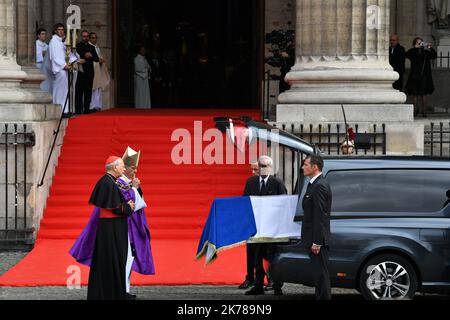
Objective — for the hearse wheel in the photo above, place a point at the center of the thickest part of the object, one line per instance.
(388, 277)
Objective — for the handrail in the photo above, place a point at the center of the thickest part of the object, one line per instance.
(56, 133)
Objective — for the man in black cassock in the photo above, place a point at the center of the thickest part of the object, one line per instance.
(108, 268)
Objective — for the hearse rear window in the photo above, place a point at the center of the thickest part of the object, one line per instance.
(389, 190)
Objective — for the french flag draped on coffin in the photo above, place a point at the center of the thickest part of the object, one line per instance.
(236, 221)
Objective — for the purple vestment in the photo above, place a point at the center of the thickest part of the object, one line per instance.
(139, 233)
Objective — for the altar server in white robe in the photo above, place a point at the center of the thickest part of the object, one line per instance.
(43, 61)
(57, 68)
(41, 47)
(142, 72)
(101, 76)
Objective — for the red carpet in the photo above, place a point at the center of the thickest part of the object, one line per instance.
(179, 198)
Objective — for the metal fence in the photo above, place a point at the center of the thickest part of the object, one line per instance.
(268, 95)
(442, 61)
(328, 138)
(437, 140)
(15, 139)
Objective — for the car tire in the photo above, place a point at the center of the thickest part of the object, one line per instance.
(388, 277)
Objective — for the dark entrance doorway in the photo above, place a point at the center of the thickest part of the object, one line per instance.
(204, 54)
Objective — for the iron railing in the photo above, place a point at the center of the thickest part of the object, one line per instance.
(67, 106)
(437, 140)
(267, 107)
(442, 61)
(15, 139)
(328, 138)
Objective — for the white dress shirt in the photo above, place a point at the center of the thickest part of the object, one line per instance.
(261, 181)
(315, 178)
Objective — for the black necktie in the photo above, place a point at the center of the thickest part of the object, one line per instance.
(263, 188)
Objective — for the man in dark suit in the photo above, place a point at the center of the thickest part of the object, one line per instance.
(263, 185)
(397, 60)
(316, 224)
(85, 77)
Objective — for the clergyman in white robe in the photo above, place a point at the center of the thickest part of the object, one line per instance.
(57, 76)
(101, 81)
(142, 73)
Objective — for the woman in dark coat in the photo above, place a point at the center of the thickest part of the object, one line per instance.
(420, 82)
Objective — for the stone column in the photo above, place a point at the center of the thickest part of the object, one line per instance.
(26, 50)
(12, 95)
(342, 58)
(339, 59)
(10, 72)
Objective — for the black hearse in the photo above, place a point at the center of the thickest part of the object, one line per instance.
(390, 228)
(390, 222)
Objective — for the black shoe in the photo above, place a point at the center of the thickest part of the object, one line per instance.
(130, 296)
(277, 292)
(424, 115)
(269, 287)
(246, 284)
(255, 291)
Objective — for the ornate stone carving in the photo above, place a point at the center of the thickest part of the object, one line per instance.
(439, 13)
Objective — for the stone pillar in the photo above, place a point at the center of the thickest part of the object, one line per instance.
(26, 105)
(10, 72)
(26, 50)
(339, 59)
(343, 59)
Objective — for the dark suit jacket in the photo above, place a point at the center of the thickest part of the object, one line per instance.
(397, 60)
(317, 210)
(88, 67)
(274, 187)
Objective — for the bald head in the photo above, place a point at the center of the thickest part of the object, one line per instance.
(395, 39)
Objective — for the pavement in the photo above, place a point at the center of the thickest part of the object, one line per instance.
(213, 293)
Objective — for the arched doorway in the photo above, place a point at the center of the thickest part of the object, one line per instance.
(204, 54)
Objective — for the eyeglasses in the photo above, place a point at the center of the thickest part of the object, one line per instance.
(263, 166)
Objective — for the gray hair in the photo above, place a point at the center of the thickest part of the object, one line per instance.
(266, 160)
(111, 166)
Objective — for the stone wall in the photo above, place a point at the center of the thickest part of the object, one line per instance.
(35, 196)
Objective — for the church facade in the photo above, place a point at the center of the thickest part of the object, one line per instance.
(113, 19)
(238, 65)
